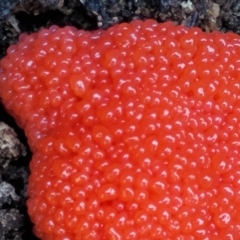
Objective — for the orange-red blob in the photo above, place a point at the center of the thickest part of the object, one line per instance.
(134, 131)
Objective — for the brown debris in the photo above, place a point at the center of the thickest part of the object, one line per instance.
(10, 146)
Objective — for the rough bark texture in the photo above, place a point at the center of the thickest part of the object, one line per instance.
(17, 16)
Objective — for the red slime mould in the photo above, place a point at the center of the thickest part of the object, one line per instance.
(135, 131)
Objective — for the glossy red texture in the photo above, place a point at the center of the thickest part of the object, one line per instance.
(134, 131)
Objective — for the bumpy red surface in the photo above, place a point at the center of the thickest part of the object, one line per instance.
(135, 131)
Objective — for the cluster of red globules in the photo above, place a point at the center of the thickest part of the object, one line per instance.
(135, 131)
